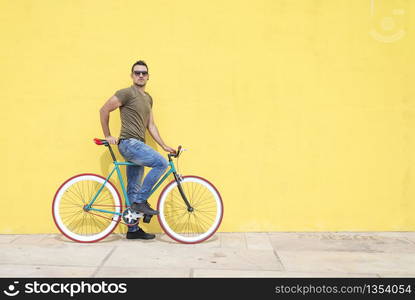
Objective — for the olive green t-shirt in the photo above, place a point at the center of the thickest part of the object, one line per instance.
(134, 111)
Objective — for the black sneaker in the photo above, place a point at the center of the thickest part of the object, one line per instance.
(144, 208)
(140, 234)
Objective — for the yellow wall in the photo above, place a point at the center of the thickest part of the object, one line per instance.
(302, 113)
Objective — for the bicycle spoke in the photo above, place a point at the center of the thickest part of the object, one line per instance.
(198, 188)
(72, 200)
(76, 193)
(201, 197)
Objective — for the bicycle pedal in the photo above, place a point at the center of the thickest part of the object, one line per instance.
(147, 218)
(130, 217)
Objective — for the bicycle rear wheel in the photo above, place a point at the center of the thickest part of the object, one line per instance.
(73, 220)
(190, 227)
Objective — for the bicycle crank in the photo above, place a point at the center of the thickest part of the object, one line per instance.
(130, 217)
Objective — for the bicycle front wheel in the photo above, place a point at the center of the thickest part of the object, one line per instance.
(190, 227)
(79, 224)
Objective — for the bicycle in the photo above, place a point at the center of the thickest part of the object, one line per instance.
(87, 207)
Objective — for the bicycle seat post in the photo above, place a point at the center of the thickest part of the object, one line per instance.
(112, 153)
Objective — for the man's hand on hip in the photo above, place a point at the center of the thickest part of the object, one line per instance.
(111, 140)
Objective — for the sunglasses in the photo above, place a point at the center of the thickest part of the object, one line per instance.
(137, 73)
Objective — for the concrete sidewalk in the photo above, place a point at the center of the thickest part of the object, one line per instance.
(323, 254)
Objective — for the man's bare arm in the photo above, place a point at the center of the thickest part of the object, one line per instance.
(112, 104)
(152, 129)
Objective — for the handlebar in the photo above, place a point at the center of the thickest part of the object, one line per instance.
(178, 152)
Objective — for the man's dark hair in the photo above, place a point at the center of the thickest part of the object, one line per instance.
(140, 63)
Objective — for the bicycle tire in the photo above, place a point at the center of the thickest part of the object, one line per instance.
(68, 208)
(190, 227)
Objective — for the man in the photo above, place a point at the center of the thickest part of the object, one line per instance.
(135, 106)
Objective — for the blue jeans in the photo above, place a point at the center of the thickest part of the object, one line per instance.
(136, 151)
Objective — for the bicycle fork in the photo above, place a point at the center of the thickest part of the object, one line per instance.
(178, 178)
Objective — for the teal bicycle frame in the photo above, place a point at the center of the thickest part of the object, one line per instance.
(89, 207)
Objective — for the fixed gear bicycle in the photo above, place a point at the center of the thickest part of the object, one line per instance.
(88, 207)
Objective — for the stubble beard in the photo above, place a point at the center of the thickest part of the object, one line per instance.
(140, 84)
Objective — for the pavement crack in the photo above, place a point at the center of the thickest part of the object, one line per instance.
(279, 260)
(103, 262)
